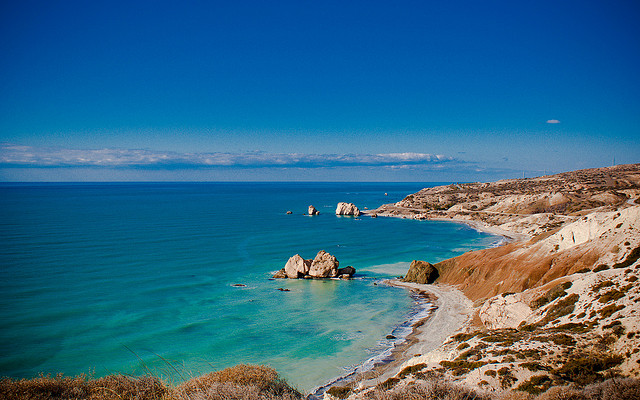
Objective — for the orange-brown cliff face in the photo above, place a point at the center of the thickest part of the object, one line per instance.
(575, 221)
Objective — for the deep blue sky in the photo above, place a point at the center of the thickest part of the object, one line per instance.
(316, 90)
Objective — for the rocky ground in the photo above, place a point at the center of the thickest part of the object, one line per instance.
(560, 306)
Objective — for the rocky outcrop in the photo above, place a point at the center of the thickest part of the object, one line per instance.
(347, 209)
(599, 238)
(297, 267)
(280, 274)
(346, 272)
(313, 211)
(525, 206)
(421, 272)
(324, 265)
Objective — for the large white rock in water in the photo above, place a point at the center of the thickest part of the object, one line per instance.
(324, 266)
(347, 209)
(313, 211)
(297, 267)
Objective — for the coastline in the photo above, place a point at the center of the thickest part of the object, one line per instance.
(442, 311)
(451, 313)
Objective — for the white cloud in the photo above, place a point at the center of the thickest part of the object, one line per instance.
(553, 121)
(47, 157)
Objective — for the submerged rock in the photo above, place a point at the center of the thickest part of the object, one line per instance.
(347, 209)
(324, 265)
(421, 272)
(313, 211)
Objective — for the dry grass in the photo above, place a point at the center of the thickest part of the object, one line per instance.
(46, 387)
(248, 381)
(432, 390)
(244, 382)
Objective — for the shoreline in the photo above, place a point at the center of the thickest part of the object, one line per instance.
(423, 309)
(480, 226)
(451, 313)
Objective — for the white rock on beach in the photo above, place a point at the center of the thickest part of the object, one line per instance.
(347, 209)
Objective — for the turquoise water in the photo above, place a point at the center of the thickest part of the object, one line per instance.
(138, 278)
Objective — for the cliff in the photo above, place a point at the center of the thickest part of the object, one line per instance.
(559, 306)
(567, 223)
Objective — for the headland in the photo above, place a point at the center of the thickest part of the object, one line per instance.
(555, 308)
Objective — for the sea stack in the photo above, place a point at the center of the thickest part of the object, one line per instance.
(324, 265)
(313, 211)
(347, 209)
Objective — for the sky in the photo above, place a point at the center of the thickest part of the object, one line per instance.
(419, 91)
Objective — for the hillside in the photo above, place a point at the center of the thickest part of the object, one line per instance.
(566, 223)
(559, 306)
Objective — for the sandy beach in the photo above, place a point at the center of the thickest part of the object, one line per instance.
(452, 313)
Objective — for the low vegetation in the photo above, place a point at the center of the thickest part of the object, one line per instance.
(245, 382)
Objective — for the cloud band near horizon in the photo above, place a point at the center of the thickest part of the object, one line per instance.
(12, 155)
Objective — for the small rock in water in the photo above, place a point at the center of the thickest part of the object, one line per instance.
(239, 285)
(289, 212)
(283, 289)
(390, 337)
(280, 274)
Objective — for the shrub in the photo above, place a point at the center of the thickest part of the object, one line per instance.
(388, 384)
(551, 295)
(112, 387)
(536, 384)
(463, 346)
(603, 284)
(341, 392)
(563, 340)
(460, 367)
(631, 258)
(587, 369)
(601, 267)
(506, 378)
(614, 389)
(264, 379)
(609, 310)
(561, 308)
(433, 390)
(562, 393)
(463, 337)
(611, 295)
(412, 370)
(490, 372)
(534, 366)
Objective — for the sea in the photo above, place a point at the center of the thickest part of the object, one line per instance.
(175, 279)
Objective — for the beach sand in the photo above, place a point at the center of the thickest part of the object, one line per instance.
(452, 313)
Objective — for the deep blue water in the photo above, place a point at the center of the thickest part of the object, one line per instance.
(138, 277)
